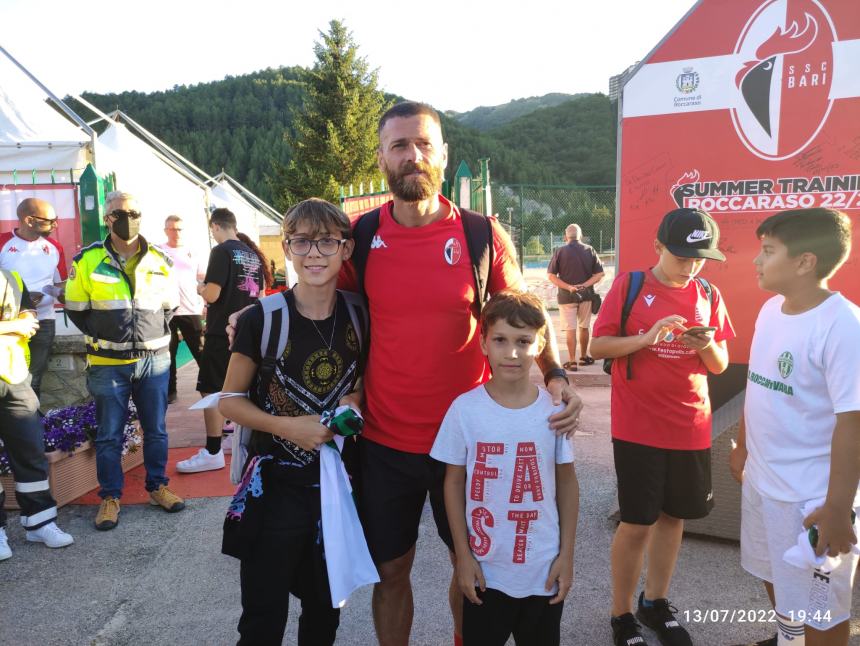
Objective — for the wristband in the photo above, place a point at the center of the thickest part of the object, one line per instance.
(552, 373)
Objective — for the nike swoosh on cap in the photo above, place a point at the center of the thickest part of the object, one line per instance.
(698, 236)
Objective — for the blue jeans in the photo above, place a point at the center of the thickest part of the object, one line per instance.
(145, 381)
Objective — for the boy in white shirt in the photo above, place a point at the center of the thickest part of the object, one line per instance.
(799, 442)
(513, 482)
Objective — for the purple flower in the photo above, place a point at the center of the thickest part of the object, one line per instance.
(65, 429)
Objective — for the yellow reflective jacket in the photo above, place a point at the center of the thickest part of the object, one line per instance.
(14, 350)
(120, 321)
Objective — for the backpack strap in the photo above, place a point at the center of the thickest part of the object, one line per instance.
(276, 333)
(708, 290)
(478, 231)
(634, 288)
(363, 233)
(358, 315)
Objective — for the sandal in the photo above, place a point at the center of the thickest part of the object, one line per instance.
(570, 366)
(586, 361)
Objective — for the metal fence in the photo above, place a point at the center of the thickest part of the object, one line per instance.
(535, 216)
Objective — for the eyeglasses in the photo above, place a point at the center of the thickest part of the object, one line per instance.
(122, 213)
(326, 246)
(50, 221)
(174, 229)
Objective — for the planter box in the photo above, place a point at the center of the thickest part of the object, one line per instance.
(71, 474)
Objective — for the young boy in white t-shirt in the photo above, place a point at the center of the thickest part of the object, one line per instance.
(511, 493)
(798, 450)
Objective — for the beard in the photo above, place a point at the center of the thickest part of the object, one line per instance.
(416, 188)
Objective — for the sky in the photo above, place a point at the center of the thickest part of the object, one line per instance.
(453, 54)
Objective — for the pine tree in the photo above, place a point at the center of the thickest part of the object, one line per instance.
(335, 131)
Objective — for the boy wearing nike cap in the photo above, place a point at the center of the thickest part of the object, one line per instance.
(661, 414)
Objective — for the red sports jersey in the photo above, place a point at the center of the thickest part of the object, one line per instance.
(424, 335)
(666, 403)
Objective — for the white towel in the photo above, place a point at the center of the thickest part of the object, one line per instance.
(347, 558)
(802, 554)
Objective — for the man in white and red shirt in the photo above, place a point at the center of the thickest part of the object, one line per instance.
(188, 318)
(425, 351)
(661, 415)
(40, 262)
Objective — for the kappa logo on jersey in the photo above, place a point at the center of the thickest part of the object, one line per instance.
(649, 298)
(787, 46)
(13, 249)
(45, 249)
(453, 251)
(698, 236)
(378, 243)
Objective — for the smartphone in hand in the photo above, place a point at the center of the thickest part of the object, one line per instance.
(699, 330)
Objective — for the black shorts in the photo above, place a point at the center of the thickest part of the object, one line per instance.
(213, 364)
(531, 620)
(651, 480)
(392, 488)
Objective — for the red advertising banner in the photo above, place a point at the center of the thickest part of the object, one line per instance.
(747, 108)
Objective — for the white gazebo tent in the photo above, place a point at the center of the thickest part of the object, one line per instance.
(38, 144)
(162, 187)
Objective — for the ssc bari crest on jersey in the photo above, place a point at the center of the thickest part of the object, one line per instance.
(453, 251)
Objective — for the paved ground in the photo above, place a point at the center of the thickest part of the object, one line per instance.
(160, 578)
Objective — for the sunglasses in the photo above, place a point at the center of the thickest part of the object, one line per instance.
(50, 221)
(122, 213)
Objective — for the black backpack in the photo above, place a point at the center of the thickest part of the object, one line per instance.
(477, 229)
(634, 287)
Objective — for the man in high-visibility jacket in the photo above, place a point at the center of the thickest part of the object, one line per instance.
(20, 426)
(120, 293)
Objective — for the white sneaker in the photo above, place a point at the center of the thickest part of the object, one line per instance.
(201, 461)
(5, 550)
(50, 535)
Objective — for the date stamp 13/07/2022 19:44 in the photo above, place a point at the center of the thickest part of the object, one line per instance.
(741, 615)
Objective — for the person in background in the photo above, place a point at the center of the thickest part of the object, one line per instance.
(236, 277)
(39, 260)
(20, 427)
(121, 295)
(574, 268)
(188, 318)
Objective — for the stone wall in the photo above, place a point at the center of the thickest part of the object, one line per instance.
(65, 380)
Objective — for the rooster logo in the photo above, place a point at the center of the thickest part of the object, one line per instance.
(784, 83)
(684, 186)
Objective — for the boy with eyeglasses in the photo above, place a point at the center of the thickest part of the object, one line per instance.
(38, 258)
(274, 527)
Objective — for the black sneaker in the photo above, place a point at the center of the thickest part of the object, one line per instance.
(661, 619)
(625, 631)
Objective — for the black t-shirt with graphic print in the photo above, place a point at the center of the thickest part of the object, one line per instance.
(236, 269)
(309, 378)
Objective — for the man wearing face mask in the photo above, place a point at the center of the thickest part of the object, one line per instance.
(121, 294)
(38, 259)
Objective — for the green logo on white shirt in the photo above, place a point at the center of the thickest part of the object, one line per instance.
(785, 364)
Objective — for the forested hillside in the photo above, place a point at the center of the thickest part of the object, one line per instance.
(238, 125)
(489, 117)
